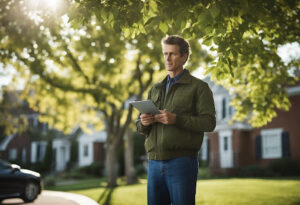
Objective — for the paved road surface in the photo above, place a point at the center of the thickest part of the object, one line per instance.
(54, 198)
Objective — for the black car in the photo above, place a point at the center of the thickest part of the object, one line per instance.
(18, 183)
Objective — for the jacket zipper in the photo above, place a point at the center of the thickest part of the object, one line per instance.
(161, 105)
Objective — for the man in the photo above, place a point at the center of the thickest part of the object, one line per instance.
(174, 137)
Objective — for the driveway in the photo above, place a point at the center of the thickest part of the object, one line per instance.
(54, 198)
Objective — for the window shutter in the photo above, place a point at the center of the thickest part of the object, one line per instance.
(285, 143)
(258, 147)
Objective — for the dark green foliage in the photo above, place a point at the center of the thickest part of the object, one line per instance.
(284, 167)
(95, 169)
(276, 168)
(252, 171)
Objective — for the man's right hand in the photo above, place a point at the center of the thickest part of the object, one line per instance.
(147, 119)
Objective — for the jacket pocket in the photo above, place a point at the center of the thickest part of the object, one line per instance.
(179, 139)
(182, 101)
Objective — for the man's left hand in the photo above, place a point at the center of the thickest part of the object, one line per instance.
(165, 117)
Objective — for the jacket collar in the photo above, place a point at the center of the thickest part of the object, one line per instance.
(186, 78)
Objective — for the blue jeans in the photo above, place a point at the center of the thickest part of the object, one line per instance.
(172, 181)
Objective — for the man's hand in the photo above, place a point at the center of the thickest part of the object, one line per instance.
(165, 117)
(147, 119)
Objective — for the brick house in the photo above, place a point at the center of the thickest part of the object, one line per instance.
(237, 145)
(29, 147)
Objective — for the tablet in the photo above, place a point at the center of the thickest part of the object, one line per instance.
(145, 106)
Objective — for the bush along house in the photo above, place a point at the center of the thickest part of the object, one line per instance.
(235, 147)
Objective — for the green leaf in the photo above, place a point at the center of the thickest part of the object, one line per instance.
(153, 6)
(163, 27)
(205, 18)
(208, 41)
(110, 17)
(215, 11)
(126, 32)
(104, 15)
(142, 28)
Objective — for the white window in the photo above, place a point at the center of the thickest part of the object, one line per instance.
(271, 143)
(224, 108)
(24, 155)
(13, 154)
(38, 151)
(35, 123)
(225, 143)
(45, 127)
(86, 150)
(42, 146)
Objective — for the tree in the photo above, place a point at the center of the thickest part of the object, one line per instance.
(77, 76)
(12, 112)
(245, 34)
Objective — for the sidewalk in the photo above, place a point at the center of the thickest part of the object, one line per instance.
(54, 198)
(77, 198)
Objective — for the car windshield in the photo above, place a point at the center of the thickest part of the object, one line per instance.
(4, 164)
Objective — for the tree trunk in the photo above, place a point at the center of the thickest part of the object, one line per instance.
(129, 157)
(111, 163)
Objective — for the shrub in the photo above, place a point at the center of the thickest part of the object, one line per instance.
(140, 169)
(77, 174)
(96, 169)
(252, 171)
(204, 173)
(284, 167)
(49, 181)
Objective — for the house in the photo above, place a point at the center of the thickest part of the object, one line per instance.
(29, 146)
(91, 148)
(236, 145)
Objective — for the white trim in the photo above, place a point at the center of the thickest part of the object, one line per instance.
(236, 125)
(292, 91)
(6, 141)
(204, 151)
(226, 156)
(13, 153)
(24, 155)
(33, 152)
(62, 149)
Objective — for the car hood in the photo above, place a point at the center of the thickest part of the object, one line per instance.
(26, 171)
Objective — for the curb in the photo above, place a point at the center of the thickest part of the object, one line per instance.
(77, 198)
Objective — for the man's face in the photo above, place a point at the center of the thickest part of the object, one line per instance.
(173, 60)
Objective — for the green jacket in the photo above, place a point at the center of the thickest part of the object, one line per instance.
(192, 101)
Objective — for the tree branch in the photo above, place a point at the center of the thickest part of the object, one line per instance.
(76, 64)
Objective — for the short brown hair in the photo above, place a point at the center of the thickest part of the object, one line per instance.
(184, 46)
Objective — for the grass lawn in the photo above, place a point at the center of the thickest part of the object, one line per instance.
(233, 191)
